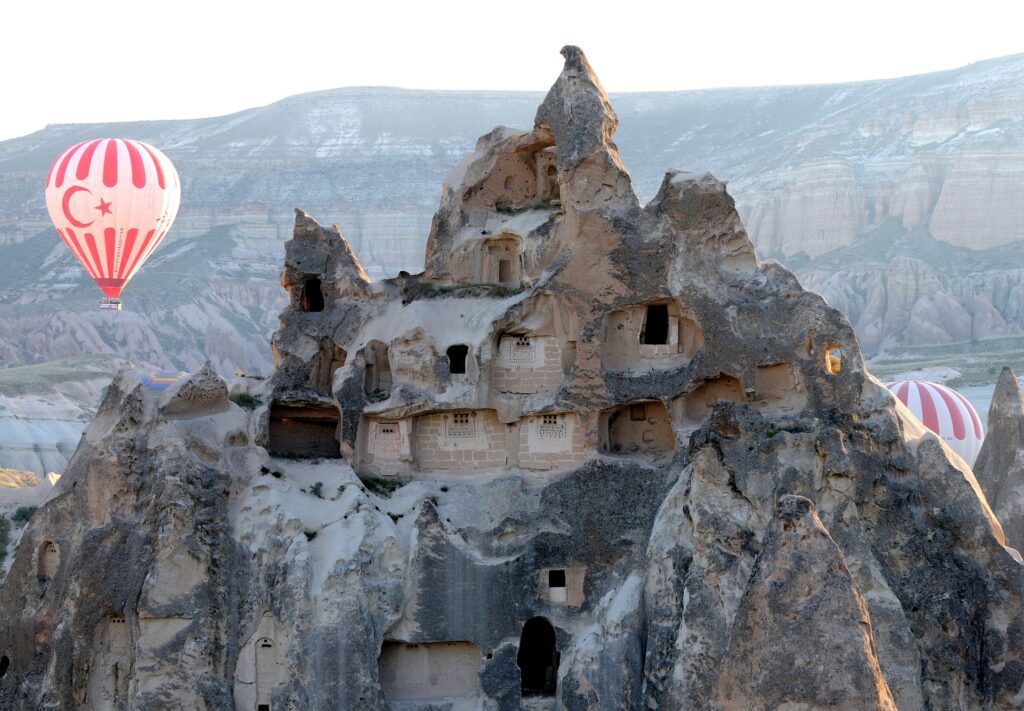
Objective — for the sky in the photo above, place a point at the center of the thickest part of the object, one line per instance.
(67, 61)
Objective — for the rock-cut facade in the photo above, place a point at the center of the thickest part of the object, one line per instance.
(595, 456)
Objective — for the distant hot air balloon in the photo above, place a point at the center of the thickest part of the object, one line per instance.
(945, 412)
(112, 201)
(160, 380)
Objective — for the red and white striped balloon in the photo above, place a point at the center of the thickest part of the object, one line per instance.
(945, 412)
(112, 201)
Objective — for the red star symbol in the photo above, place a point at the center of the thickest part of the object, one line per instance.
(103, 207)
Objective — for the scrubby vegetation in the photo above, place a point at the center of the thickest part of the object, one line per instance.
(381, 487)
(245, 400)
(415, 292)
(22, 514)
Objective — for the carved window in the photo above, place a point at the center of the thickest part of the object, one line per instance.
(521, 352)
(556, 578)
(460, 425)
(637, 413)
(551, 427)
(834, 360)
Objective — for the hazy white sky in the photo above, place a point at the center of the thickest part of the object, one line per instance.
(108, 60)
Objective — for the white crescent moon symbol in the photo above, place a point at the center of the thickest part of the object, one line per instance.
(66, 204)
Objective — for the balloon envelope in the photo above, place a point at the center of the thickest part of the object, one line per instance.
(112, 201)
(945, 412)
(160, 380)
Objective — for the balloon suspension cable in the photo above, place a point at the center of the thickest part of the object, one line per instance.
(111, 304)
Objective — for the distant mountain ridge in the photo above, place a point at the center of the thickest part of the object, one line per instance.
(902, 201)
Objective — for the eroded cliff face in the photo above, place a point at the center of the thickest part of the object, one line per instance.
(595, 456)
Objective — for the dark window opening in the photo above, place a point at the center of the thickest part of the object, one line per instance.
(637, 413)
(5, 664)
(312, 295)
(457, 359)
(556, 578)
(552, 171)
(538, 658)
(655, 331)
(263, 707)
(504, 271)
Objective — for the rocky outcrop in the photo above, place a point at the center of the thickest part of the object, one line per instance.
(1000, 464)
(801, 614)
(595, 456)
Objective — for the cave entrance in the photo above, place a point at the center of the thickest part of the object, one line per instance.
(304, 430)
(538, 658)
(312, 295)
(5, 664)
(457, 359)
(655, 328)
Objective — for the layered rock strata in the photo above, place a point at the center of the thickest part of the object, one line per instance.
(593, 457)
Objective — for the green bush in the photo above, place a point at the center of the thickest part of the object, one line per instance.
(310, 534)
(249, 402)
(23, 514)
(382, 487)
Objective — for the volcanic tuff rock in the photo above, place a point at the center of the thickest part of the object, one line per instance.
(1000, 464)
(574, 459)
(852, 185)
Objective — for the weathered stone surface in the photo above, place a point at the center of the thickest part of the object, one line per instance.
(1000, 464)
(802, 635)
(561, 449)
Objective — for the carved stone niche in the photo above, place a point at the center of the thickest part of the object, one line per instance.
(658, 334)
(304, 429)
(429, 671)
(538, 350)
(640, 428)
(690, 410)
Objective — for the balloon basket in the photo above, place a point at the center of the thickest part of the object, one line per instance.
(110, 304)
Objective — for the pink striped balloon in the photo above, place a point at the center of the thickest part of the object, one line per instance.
(112, 201)
(945, 412)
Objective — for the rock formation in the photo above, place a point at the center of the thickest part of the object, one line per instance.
(593, 457)
(1000, 464)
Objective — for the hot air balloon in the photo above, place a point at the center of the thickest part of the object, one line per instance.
(160, 380)
(112, 201)
(945, 412)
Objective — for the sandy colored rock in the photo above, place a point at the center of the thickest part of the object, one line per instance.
(554, 458)
(802, 635)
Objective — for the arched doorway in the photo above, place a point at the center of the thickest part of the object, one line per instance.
(538, 658)
(49, 559)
